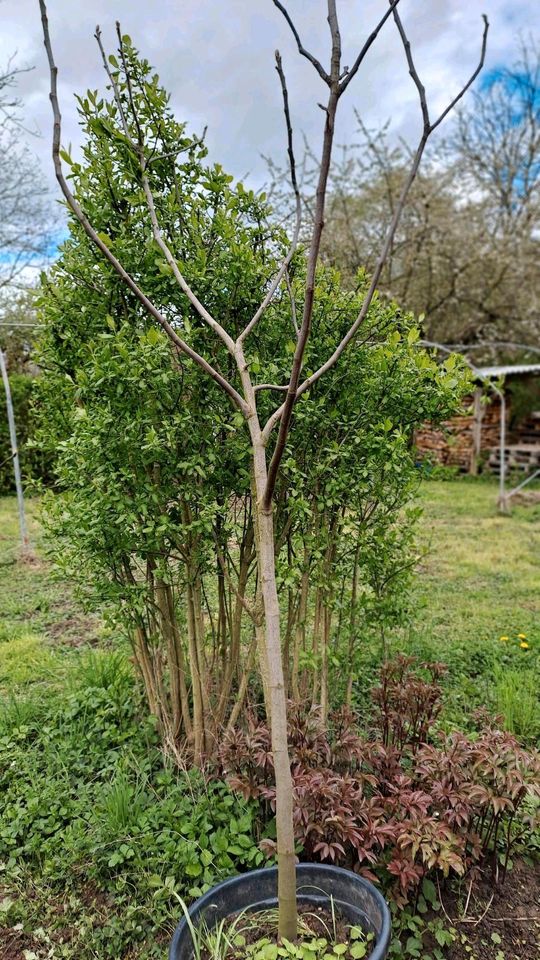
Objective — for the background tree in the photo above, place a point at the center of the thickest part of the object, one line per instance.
(25, 240)
(466, 253)
(25, 215)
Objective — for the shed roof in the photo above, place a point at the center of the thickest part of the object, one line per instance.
(504, 371)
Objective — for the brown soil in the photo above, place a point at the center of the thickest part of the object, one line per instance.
(13, 943)
(72, 628)
(502, 923)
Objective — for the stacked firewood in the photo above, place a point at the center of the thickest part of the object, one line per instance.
(452, 443)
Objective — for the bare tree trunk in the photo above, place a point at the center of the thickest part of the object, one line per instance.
(145, 664)
(242, 690)
(300, 629)
(352, 626)
(166, 615)
(327, 622)
(196, 688)
(232, 664)
(316, 645)
(278, 700)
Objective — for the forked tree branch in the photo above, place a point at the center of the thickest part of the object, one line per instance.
(104, 249)
(313, 255)
(370, 40)
(301, 49)
(427, 129)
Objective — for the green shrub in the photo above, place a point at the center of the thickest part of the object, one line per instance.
(34, 463)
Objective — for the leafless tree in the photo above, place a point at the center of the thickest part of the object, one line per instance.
(25, 214)
(267, 439)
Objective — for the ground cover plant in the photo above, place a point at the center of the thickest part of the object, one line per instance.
(406, 802)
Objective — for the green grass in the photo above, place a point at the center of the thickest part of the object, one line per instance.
(478, 582)
(32, 598)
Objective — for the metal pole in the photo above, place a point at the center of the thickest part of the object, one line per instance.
(15, 453)
(502, 476)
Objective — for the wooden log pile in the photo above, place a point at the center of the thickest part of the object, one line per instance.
(452, 443)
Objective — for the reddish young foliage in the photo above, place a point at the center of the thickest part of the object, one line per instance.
(408, 802)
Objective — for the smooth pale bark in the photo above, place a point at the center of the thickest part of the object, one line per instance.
(277, 695)
(300, 629)
(199, 739)
(352, 626)
(242, 690)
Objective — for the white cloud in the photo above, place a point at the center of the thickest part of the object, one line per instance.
(216, 58)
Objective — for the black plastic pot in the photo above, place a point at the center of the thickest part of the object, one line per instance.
(355, 898)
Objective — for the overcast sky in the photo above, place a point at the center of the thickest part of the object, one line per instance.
(216, 57)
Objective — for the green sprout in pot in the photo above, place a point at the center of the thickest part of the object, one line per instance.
(235, 937)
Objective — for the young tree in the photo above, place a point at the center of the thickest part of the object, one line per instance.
(268, 438)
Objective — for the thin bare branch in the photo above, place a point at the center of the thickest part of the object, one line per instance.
(471, 80)
(298, 204)
(178, 276)
(313, 256)
(413, 71)
(156, 229)
(293, 302)
(279, 415)
(114, 86)
(301, 49)
(270, 386)
(250, 608)
(370, 40)
(93, 235)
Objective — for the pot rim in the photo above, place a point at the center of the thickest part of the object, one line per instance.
(380, 948)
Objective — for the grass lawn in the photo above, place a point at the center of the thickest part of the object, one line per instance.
(478, 581)
(481, 577)
(32, 597)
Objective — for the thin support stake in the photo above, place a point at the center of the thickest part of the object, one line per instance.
(502, 477)
(523, 483)
(15, 454)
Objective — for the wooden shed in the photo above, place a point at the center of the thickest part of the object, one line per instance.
(493, 417)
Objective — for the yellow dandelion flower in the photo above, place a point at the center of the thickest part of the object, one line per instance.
(524, 645)
(522, 636)
(503, 638)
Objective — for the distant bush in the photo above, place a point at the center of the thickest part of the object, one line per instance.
(34, 463)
